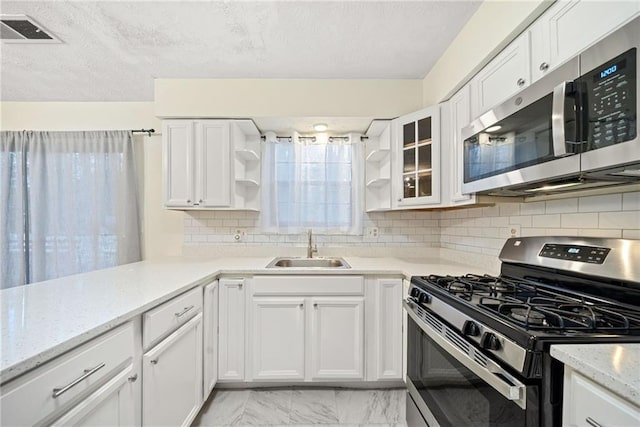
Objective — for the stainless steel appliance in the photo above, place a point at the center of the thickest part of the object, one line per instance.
(576, 128)
(479, 346)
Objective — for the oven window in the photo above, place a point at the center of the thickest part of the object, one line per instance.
(454, 394)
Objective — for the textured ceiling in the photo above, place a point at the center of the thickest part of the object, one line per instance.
(112, 50)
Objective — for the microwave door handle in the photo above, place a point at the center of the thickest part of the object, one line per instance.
(558, 120)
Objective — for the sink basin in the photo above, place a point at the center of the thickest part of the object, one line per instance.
(292, 262)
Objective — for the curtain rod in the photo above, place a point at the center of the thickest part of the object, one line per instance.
(147, 131)
(288, 138)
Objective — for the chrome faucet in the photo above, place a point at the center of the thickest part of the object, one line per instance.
(311, 249)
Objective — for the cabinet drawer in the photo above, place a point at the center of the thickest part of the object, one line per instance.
(308, 285)
(167, 317)
(30, 399)
(589, 403)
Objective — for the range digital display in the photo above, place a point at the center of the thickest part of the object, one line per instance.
(588, 254)
(573, 250)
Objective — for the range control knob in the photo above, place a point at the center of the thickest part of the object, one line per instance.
(424, 298)
(470, 329)
(490, 341)
(415, 292)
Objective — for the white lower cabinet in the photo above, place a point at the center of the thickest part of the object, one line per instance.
(210, 338)
(112, 405)
(587, 403)
(337, 342)
(277, 335)
(231, 333)
(172, 377)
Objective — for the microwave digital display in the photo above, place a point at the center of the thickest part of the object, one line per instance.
(611, 70)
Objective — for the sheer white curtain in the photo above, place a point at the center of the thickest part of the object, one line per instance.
(313, 185)
(79, 204)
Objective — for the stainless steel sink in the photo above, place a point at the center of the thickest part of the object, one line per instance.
(293, 262)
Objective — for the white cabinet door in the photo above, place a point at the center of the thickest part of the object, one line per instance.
(231, 330)
(384, 329)
(172, 377)
(277, 338)
(210, 339)
(459, 116)
(506, 74)
(587, 403)
(569, 27)
(336, 341)
(179, 169)
(214, 176)
(112, 405)
(416, 158)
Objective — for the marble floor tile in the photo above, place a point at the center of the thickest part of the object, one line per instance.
(267, 407)
(225, 407)
(313, 407)
(370, 406)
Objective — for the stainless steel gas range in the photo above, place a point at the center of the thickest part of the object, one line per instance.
(478, 346)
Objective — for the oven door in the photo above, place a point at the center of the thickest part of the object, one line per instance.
(454, 384)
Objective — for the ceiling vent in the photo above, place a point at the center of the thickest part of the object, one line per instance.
(24, 29)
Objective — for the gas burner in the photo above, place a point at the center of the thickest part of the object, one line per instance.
(526, 315)
(456, 286)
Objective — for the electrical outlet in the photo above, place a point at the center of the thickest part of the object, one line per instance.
(372, 232)
(239, 234)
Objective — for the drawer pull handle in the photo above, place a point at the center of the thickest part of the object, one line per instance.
(592, 422)
(58, 391)
(185, 311)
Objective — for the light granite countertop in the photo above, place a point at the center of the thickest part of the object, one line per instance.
(614, 366)
(43, 320)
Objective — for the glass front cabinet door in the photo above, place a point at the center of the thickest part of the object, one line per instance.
(417, 152)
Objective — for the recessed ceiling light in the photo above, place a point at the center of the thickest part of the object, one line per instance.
(493, 128)
(320, 127)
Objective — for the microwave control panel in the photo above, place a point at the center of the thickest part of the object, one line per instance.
(611, 101)
(589, 254)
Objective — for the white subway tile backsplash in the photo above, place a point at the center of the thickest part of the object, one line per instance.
(604, 203)
(546, 221)
(624, 220)
(561, 206)
(477, 230)
(631, 201)
(579, 220)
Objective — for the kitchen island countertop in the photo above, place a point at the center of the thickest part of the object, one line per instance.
(43, 320)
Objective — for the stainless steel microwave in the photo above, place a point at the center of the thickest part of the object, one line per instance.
(575, 128)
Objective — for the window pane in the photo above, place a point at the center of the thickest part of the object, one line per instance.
(409, 160)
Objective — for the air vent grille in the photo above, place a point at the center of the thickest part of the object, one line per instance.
(24, 29)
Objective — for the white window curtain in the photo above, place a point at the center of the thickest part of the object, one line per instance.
(69, 204)
(312, 185)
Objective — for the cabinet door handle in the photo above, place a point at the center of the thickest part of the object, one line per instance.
(544, 66)
(58, 391)
(133, 378)
(200, 201)
(153, 361)
(592, 422)
(188, 201)
(315, 305)
(520, 82)
(399, 200)
(183, 312)
(301, 305)
(239, 286)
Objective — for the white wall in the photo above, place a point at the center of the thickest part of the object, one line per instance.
(250, 98)
(489, 30)
(163, 229)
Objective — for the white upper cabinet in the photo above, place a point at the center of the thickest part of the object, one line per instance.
(508, 73)
(568, 27)
(211, 164)
(416, 159)
(378, 166)
(456, 114)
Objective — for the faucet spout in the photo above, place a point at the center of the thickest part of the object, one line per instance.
(311, 249)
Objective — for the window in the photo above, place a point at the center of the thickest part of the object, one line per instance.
(68, 204)
(313, 185)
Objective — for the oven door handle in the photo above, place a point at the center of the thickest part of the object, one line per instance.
(494, 375)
